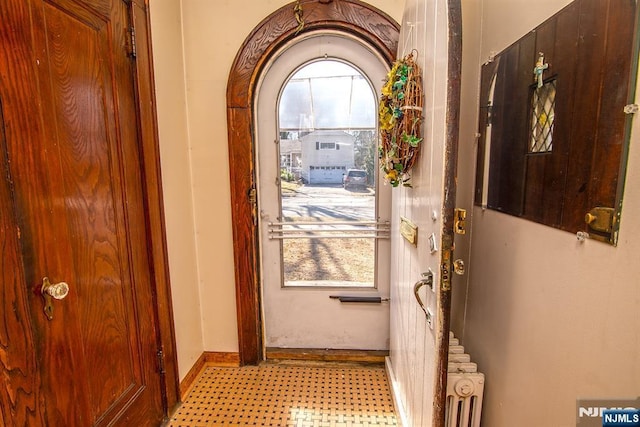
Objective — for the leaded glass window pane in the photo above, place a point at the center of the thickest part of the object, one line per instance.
(543, 105)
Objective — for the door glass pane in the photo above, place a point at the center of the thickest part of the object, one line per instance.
(328, 163)
(543, 107)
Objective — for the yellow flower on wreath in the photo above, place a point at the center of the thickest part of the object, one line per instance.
(385, 115)
(392, 175)
(387, 89)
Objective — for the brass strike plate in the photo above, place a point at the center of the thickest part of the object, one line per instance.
(409, 231)
(460, 221)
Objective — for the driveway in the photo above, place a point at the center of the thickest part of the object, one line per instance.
(331, 202)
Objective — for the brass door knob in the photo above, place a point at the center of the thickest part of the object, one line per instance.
(51, 291)
(58, 290)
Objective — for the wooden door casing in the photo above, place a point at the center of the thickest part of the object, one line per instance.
(349, 16)
(79, 212)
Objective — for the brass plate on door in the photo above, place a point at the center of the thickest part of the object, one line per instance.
(602, 224)
(409, 231)
(601, 219)
(460, 221)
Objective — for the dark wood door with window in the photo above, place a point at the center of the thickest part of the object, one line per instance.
(72, 211)
(554, 131)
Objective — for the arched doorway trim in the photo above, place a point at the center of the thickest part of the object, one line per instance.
(350, 16)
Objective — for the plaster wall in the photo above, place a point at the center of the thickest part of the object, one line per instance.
(175, 156)
(548, 319)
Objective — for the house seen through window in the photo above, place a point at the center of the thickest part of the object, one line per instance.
(327, 127)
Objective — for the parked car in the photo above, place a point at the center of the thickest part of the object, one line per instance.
(354, 178)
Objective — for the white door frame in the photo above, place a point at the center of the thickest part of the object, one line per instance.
(368, 325)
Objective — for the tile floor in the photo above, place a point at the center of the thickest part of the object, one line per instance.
(331, 395)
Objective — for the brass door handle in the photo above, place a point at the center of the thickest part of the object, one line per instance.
(51, 291)
(427, 279)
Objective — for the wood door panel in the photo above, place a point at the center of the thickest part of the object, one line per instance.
(79, 92)
(536, 165)
(565, 68)
(589, 54)
(27, 154)
(19, 394)
(70, 104)
(611, 123)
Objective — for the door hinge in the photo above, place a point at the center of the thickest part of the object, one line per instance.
(631, 108)
(160, 355)
(131, 42)
(130, 36)
(253, 201)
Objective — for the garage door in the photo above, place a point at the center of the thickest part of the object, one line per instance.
(326, 174)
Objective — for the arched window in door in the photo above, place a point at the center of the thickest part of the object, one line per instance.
(327, 141)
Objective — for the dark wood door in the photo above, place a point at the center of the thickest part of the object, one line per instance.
(72, 210)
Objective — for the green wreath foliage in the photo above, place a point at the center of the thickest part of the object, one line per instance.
(399, 121)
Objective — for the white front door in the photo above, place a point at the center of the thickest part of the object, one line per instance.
(420, 335)
(319, 241)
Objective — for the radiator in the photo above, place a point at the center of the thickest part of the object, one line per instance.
(465, 386)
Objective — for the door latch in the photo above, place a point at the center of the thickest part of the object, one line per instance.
(600, 219)
(602, 224)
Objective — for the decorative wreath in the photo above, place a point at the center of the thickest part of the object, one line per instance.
(400, 117)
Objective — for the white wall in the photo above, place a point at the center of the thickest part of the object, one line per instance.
(471, 18)
(195, 43)
(176, 178)
(549, 320)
